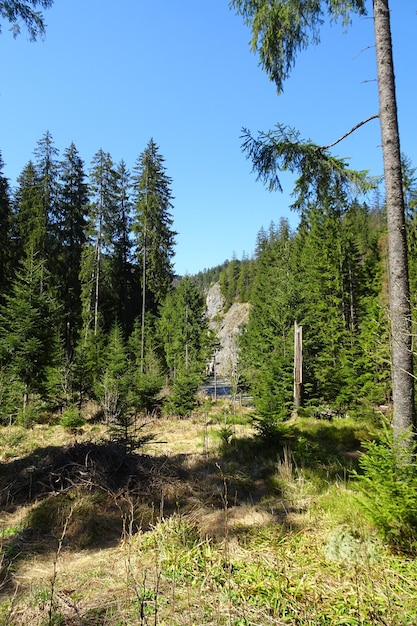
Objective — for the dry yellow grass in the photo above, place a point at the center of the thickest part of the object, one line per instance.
(203, 538)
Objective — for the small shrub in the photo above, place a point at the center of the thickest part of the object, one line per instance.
(72, 419)
(128, 431)
(271, 428)
(388, 487)
(226, 433)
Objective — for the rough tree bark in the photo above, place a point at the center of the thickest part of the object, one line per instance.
(399, 291)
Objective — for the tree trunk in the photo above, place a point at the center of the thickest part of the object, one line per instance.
(399, 292)
(142, 339)
(298, 365)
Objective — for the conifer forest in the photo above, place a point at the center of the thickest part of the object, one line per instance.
(90, 306)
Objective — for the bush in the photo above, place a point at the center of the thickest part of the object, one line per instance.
(144, 392)
(72, 419)
(183, 399)
(389, 490)
(270, 428)
(127, 431)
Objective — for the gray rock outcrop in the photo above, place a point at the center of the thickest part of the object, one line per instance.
(227, 326)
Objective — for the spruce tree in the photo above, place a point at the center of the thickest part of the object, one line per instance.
(6, 245)
(145, 374)
(119, 256)
(29, 216)
(154, 237)
(99, 244)
(46, 168)
(266, 347)
(410, 199)
(115, 383)
(330, 269)
(152, 227)
(279, 31)
(244, 280)
(28, 330)
(69, 240)
(183, 330)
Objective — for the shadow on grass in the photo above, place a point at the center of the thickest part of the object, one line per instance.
(329, 448)
(89, 495)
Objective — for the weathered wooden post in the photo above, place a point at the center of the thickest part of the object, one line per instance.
(298, 365)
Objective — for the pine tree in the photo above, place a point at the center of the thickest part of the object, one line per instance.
(6, 258)
(183, 329)
(152, 226)
(69, 240)
(28, 330)
(280, 30)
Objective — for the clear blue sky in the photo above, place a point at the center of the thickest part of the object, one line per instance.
(112, 75)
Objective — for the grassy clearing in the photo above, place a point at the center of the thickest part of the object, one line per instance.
(205, 527)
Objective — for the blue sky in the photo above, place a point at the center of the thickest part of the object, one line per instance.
(112, 75)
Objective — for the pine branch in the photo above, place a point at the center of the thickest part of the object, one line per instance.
(352, 130)
(320, 174)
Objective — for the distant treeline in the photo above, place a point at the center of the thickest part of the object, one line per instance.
(90, 307)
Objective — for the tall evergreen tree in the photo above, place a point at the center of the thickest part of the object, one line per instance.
(331, 276)
(101, 220)
(6, 259)
(29, 216)
(152, 226)
(183, 329)
(229, 281)
(266, 347)
(410, 199)
(70, 238)
(243, 286)
(399, 288)
(153, 223)
(280, 30)
(119, 258)
(28, 329)
(47, 167)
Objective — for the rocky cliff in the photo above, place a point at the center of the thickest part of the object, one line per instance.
(227, 326)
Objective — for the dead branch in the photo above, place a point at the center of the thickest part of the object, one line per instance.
(352, 130)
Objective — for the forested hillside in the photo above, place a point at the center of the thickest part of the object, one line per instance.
(330, 276)
(88, 308)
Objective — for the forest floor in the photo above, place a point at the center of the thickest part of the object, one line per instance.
(201, 526)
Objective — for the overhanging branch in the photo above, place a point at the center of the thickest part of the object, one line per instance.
(352, 130)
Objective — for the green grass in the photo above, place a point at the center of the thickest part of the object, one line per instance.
(237, 534)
